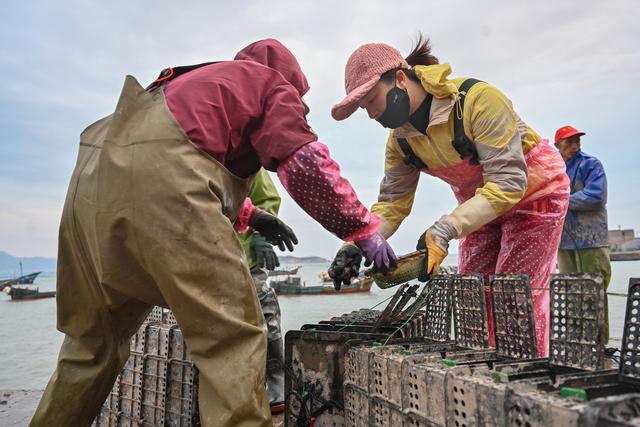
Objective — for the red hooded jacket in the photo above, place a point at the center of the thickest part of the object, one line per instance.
(245, 114)
(248, 113)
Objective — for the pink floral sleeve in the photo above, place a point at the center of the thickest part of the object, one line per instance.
(313, 180)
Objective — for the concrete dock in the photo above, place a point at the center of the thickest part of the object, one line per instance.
(17, 406)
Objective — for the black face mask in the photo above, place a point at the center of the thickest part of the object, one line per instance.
(397, 112)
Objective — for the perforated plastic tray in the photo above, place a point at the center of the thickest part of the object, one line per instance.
(512, 309)
(158, 384)
(577, 321)
(438, 308)
(470, 311)
(163, 315)
(630, 357)
(379, 379)
(314, 373)
(431, 313)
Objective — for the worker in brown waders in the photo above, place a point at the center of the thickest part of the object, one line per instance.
(150, 218)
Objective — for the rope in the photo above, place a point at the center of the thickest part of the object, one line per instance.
(615, 294)
(365, 311)
(618, 294)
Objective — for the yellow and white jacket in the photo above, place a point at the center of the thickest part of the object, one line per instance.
(501, 138)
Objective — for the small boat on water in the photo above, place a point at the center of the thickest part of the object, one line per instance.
(28, 293)
(27, 279)
(5, 284)
(23, 279)
(293, 285)
(284, 271)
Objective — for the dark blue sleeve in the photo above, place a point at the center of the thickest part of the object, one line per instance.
(594, 194)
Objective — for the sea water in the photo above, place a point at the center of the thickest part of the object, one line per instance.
(29, 341)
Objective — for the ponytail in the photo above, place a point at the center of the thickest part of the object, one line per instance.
(421, 53)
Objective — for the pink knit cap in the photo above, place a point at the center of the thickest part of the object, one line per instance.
(362, 72)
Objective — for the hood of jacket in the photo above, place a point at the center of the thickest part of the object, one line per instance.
(273, 54)
(434, 80)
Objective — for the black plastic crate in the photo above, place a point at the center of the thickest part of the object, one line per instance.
(403, 327)
(162, 315)
(363, 315)
(512, 307)
(381, 389)
(629, 354)
(615, 411)
(603, 398)
(470, 311)
(158, 385)
(314, 374)
(438, 308)
(577, 321)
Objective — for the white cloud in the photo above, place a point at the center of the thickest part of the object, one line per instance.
(64, 63)
(30, 227)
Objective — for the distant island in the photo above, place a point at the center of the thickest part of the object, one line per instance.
(10, 265)
(288, 259)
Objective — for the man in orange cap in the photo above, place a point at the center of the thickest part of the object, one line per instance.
(584, 243)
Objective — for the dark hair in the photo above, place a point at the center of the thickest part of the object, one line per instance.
(390, 76)
(420, 55)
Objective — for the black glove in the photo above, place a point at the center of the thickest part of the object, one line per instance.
(345, 265)
(262, 252)
(275, 231)
(423, 273)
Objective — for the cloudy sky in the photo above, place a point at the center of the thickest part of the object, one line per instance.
(63, 64)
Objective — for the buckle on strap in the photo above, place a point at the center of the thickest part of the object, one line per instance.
(166, 74)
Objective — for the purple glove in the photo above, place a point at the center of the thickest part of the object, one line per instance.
(379, 252)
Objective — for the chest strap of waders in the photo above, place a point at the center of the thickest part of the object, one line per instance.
(171, 73)
(462, 144)
(410, 157)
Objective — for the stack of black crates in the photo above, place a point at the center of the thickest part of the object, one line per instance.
(432, 367)
(435, 381)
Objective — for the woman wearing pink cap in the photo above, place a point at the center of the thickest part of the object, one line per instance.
(510, 184)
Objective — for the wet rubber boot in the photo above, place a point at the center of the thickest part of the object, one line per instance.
(275, 375)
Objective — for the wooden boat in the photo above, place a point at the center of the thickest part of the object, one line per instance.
(27, 279)
(284, 271)
(293, 285)
(29, 293)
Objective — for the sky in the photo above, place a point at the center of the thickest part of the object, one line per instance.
(64, 62)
